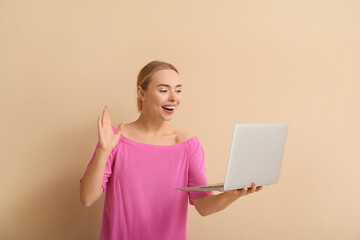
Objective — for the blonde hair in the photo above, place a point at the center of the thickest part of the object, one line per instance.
(145, 74)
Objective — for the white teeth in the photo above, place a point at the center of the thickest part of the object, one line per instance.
(169, 107)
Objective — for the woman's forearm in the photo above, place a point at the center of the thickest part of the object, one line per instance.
(210, 204)
(91, 184)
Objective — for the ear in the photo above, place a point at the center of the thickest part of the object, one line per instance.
(140, 93)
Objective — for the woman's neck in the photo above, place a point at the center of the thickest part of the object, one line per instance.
(152, 127)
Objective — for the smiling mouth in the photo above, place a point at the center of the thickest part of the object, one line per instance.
(168, 109)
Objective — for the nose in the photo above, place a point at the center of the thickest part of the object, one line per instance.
(172, 96)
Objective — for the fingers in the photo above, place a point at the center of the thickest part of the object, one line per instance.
(240, 192)
(253, 188)
(245, 191)
(106, 120)
(99, 122)
(104, 116)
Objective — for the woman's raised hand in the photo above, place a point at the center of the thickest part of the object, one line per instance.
(243, 191)
(107, 138)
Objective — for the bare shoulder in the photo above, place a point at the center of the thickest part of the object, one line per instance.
(183, 136)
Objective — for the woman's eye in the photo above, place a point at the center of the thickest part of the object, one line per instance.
(166, 91)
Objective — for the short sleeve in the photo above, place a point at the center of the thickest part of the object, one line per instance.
(109, 164)
(197, 170)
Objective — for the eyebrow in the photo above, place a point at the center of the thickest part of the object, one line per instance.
(166, 85)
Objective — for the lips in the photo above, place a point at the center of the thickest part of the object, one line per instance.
(168, 107)
(168, 111)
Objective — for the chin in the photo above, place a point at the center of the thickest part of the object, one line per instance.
(167, 118)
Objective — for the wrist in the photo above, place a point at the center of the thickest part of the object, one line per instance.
(231, 195)
(103, 152)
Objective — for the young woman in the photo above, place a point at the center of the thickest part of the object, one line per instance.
(140, 163)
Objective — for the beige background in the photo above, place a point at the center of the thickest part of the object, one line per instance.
(295, 62)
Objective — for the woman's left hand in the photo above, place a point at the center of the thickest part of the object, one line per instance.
(243, 191)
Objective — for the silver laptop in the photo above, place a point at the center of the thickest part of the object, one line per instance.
(255, 156)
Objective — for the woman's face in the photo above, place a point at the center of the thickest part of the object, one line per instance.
(163, 91)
